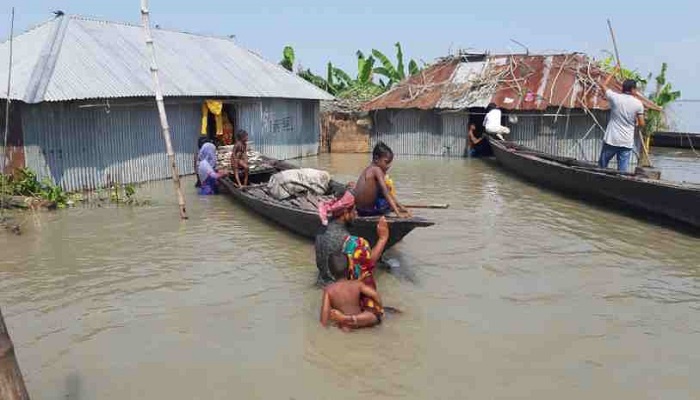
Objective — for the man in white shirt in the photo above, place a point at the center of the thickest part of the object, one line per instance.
(492, 121)
(626, 114)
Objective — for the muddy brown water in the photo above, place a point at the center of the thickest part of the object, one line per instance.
(515, 293)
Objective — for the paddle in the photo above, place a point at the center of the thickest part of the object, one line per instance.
(435, 205)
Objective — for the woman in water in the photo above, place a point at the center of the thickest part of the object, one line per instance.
(206, 170)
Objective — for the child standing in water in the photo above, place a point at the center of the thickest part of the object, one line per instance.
(239, 157)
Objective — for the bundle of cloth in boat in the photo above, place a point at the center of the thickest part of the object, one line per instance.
(293, 182)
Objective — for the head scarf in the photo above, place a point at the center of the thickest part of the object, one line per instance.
(207, 161)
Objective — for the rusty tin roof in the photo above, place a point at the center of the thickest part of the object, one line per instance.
(514, 82)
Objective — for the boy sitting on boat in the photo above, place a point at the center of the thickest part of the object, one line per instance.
(373, 193)
(239, 157)
(351, 304)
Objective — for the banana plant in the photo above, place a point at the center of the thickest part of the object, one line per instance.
(393, 74)
(288, 58)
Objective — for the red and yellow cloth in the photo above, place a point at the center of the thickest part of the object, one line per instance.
(361, 267)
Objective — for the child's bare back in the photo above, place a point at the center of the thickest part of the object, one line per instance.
(345, 296)
(367, 186)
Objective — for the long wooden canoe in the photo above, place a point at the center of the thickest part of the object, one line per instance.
(300, 215)
(676, 139)
(678, 203)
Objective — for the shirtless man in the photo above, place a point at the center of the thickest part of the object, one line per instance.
(372, 195)
(342, 303)
(239, 157)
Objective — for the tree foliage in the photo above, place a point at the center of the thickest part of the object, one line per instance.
(662, 96)
(362, 86)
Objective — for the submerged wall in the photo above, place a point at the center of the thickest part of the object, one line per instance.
(85, 145)
(421, 132)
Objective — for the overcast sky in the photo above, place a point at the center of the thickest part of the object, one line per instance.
(333, 30)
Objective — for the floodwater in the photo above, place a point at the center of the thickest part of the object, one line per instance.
(517, 292)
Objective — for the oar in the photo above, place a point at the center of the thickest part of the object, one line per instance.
(435, 205)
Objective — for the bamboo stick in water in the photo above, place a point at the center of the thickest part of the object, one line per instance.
(11, 382)
(161, 109)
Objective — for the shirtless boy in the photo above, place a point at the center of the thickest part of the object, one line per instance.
(372, 195)
(342, 300)
(239, 157)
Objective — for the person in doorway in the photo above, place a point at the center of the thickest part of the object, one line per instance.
(344, 302)
(492, 122)
(206, 170)
(478, 144)
(239, 158)
(626, 114)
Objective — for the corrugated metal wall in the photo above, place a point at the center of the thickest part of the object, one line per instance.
(281, 128)
(83, 147)
(573, 134)
(421, 132)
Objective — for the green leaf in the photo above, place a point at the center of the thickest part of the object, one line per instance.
(364, 75)
(400, 69)
(413, 68)
(391, 73)
(288, 58)
(343, 76)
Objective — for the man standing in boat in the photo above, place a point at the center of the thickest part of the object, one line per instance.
(626, 114)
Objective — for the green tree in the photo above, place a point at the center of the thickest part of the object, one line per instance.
(288, 58)
(662, 96)
(393, 74)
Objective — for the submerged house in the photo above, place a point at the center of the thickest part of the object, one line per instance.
(550, 103)
(83, 112)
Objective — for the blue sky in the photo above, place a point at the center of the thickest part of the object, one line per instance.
(327, 30)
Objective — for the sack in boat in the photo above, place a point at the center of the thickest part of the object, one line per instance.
(293, 182)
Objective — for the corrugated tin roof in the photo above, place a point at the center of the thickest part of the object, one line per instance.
(72, 58)
(513, 82)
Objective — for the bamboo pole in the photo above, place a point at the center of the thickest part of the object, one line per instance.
(7, 108)
(11, 382)
(646, 161)
(161, 108)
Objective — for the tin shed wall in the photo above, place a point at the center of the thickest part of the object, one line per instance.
(571, 134)
(281, 128)
(420, 132)
(90, 147)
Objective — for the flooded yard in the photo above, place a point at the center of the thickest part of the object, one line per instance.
(516, 292)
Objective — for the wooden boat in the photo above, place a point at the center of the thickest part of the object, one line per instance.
(676, 139)
(678, 203)
(300, 214)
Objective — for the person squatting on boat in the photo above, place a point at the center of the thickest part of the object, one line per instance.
(206, 170)
(492, 122)
(626, 114)
(373, 194)
(239, 158)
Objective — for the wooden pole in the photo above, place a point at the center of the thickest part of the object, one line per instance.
(11, 382)
(646, 161)
(161, 108)
(7, 109)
